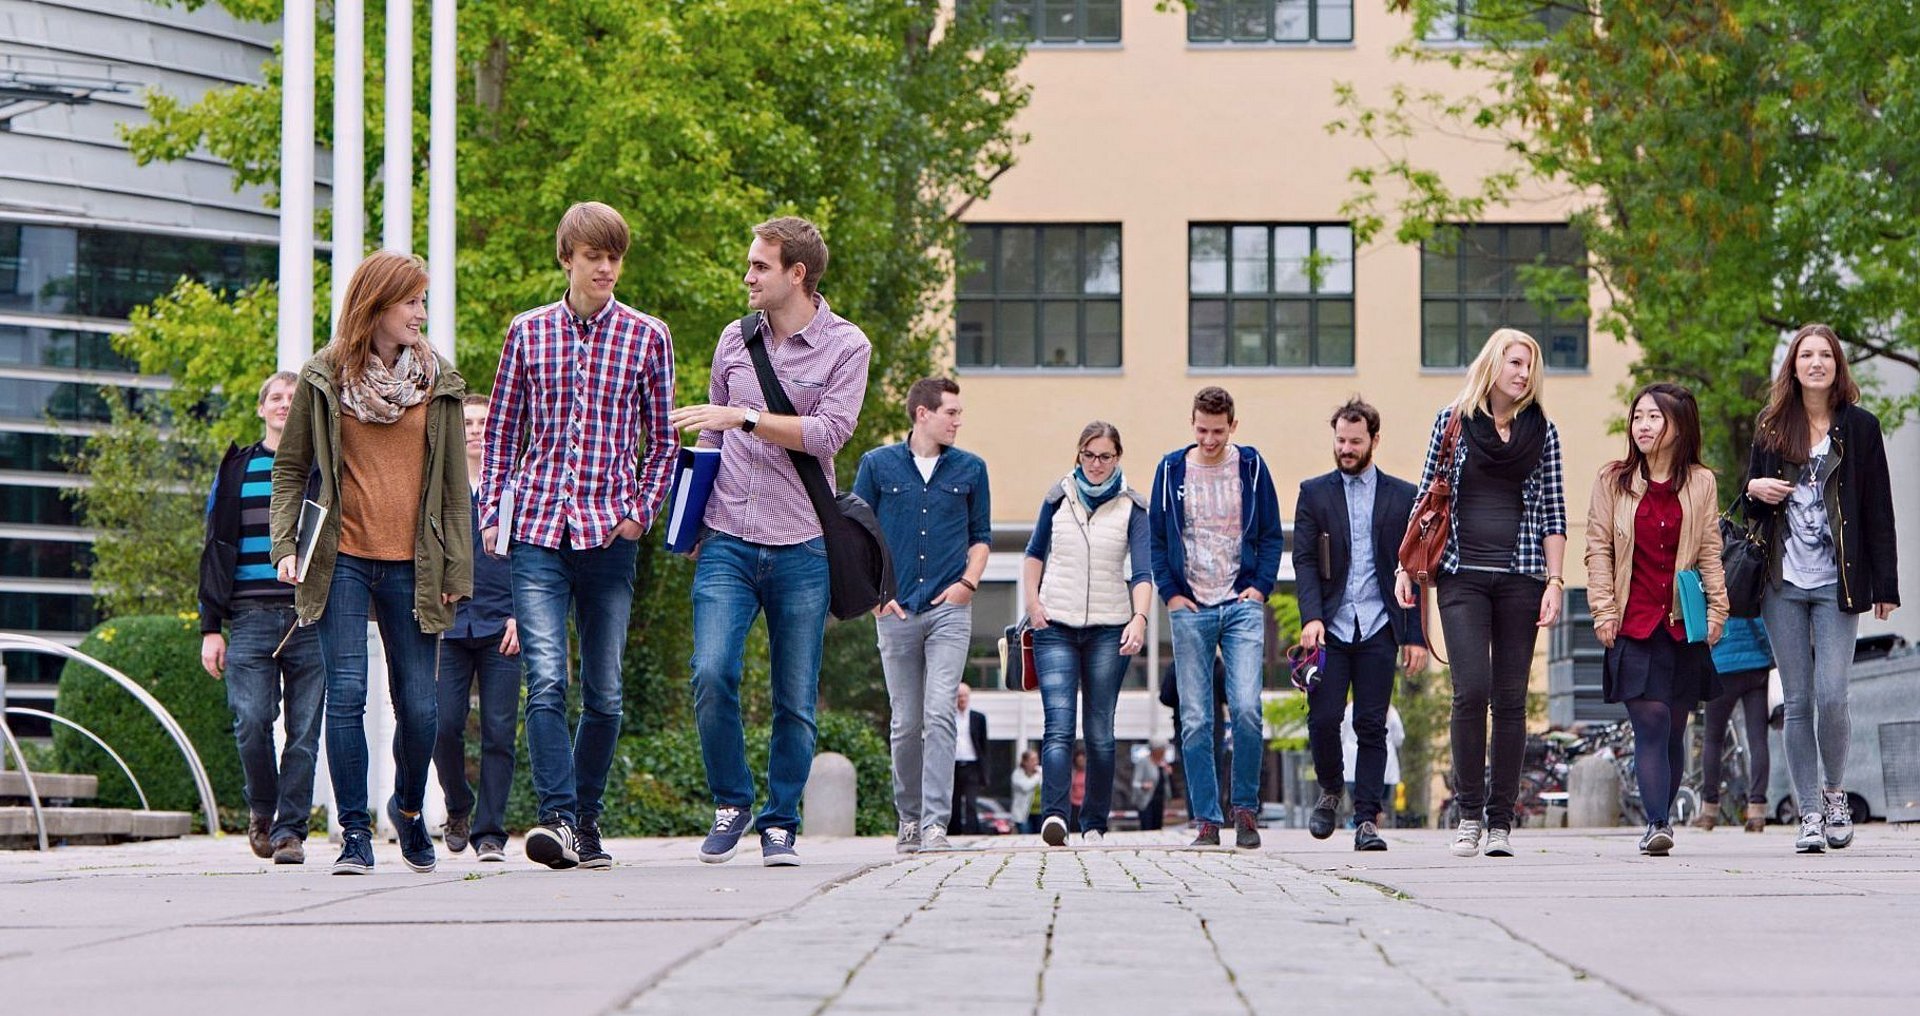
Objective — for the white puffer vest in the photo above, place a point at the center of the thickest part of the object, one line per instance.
(1085, 581)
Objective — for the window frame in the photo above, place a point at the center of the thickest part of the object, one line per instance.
(1315, 299)
(1002, 13)
(1509, 293)
(1273, 24)
(997, 294)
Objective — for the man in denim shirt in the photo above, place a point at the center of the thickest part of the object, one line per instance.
(932, 502)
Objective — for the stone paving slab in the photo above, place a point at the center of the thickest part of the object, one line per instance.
(1577, 923)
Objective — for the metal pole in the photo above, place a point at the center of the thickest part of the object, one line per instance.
(349, 145)
(396, 213)
(440, 182)
(296, 187)
(26, 775)
(95, 738)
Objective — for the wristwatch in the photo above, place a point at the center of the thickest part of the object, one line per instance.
(752, 420)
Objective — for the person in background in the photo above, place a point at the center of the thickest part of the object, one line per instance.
(377, 413)
(1818, 480)
(1743, 659)
(1026, 792)
(970, 753)
(482, 648)
(1390, 776)
(273, 664)
(1151, 774)
(1087, 589)
(1500, 578)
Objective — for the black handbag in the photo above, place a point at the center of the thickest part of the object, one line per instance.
(859, 569)
(1744, 559)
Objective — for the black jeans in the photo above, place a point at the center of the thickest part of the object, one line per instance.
(1365, 668)
(966, 796)
(499, 677)
(1489, 619)
(1748, 690)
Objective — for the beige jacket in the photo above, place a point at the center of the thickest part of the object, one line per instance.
(1610, 543)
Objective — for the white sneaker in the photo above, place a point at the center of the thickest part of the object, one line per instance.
(1813, 834)
(1054, 830)
(1839, 820)
(934, 837)
(1497, 845)
(1092, 838)
(1466, 838)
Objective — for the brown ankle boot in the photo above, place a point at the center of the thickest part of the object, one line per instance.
(1709, 815)
(1756, 818)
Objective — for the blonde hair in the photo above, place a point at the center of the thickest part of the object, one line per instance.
(384, 279)
(1486, 368)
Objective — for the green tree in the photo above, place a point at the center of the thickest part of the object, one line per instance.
(1741, 167)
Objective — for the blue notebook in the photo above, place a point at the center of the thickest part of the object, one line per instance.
(1692, 596)
(693, 477)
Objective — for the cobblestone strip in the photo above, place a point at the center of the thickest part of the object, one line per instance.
(1122, 931)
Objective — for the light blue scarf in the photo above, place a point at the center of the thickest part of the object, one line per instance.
(1093, 496)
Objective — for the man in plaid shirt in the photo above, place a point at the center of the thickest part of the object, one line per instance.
(578, 459)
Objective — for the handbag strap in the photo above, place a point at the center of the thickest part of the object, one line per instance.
(812, 477)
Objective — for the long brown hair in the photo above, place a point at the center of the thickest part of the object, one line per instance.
(1782, 427)
(1682, 415)
(384, 279)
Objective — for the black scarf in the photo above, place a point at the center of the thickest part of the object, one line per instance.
(1514, 459)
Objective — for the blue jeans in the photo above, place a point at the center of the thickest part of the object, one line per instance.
(257, 687)
(462, 661)
(1238, 630)
(597, 587)
(386, 586)
(1088, 661)
(1813, 646)
(735, 581)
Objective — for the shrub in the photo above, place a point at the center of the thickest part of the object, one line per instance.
(161, 654)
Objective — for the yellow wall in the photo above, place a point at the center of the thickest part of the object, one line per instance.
(1156, 133)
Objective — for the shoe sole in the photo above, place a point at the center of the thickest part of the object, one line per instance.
(277, 859)
(550, 852)
(1659, 846)
(420, 869)
(493, 858)
(1498, 851)
(780, 861)
(352, 868)
(1810, 848)
(596, 863)
(1054, 836)
(1833, 844)
(1318, 831)
(1253, 844)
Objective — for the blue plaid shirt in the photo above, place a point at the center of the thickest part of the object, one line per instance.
(1543, 500)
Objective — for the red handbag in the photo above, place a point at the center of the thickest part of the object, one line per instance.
(1425, 542)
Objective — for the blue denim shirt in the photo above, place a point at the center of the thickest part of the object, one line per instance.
(929, 524)
(484, 616)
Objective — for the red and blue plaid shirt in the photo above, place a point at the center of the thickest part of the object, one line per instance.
(585, 394)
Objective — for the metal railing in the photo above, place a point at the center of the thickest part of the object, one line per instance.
(34, 644)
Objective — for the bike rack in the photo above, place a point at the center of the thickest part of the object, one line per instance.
(91, 736)
(204, 785)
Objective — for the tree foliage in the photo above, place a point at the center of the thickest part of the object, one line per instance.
(1741, 167)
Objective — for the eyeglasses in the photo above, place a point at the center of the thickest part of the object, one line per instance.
(1101, 457)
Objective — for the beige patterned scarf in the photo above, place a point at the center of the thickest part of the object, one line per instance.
(382, 393)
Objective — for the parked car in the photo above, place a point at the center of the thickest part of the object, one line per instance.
(1883, 754)
(995, 819)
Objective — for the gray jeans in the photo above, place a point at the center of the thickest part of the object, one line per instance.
(1813, 646)
(924, 657)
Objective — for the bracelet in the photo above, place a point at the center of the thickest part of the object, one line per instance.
(971, 586)
(1557, 580)
(1137, 614)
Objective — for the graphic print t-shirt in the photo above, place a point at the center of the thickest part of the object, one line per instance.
(1807, 560)
(1212, 537)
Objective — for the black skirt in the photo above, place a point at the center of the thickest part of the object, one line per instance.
(1658, 667)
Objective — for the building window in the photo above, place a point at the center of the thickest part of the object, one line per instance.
(1270, 21)
(1270, 295)
(1052, 21)
(106, 273)
(1478, 284)
(1039, 296)
(1461, 23)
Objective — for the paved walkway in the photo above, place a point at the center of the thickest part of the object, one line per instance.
(1577, 923)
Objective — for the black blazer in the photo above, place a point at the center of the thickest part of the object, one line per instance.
(1859, 501)
(1322, 511)
(977, 729)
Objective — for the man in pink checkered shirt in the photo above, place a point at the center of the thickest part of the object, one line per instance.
(578, 459)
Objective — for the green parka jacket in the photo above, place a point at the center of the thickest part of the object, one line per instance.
(442, 545)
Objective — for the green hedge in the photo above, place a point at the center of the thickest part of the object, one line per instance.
(162, 654)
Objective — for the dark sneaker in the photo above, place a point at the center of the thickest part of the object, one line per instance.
(1367, 837)
(289, 850)
(1657, 841)
(1320, 823)
(729, 824)
(416, 844)
(356, 854)
(552, 844)
(1246, 829)
(259, 827)
(459, 830)
(1054, 830)
(776, 849)
(587, 840)
(1209, 836)
(490, 850)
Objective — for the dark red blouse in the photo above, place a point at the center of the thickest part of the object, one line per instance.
(1656, 550)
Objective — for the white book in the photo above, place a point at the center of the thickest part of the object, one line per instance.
(312, 514)
(504, 535)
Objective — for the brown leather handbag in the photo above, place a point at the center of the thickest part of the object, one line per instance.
(1425, 542)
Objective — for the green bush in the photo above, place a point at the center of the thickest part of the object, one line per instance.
(162, 654)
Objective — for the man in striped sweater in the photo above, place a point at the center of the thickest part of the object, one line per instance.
(238, 586)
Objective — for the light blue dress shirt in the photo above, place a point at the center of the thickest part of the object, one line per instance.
(1362, 609)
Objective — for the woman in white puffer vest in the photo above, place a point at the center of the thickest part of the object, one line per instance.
(1087, 584)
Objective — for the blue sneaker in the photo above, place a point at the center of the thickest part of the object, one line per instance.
(776, 848)
(729, 824)
(416, 844)
(356, 854)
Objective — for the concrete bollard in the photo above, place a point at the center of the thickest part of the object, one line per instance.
(831, 801)
(1593, 793)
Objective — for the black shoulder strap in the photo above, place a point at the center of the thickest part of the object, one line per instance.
(812, 477)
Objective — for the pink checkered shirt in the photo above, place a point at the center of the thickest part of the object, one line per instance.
(823, 367)
(585, 394)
